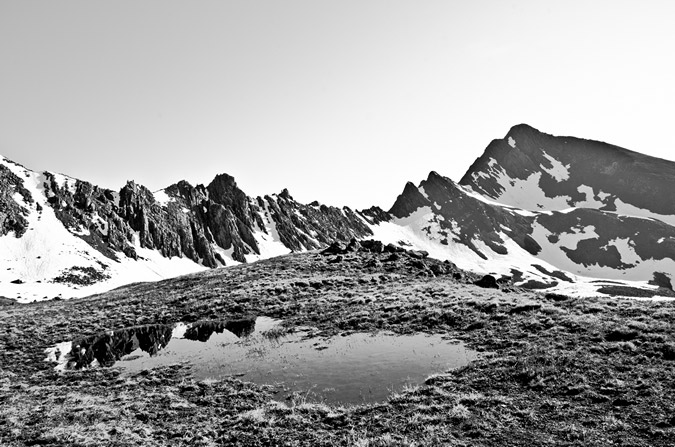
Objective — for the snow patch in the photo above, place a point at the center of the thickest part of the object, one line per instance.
(512, 142)
(269, 241)
(65, 182)
(559, 171)
(554, 255)
(626, 250)
(162, 197)
(526, 194)
(180, 329)
(471, 193)
(59, 354)
(627, 209)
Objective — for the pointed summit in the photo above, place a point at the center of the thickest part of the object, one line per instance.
(534, 170)
(408, 201)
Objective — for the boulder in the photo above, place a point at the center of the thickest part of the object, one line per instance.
(487, 282)
(353, 246)
(372, 246)
(418, 254)
(335, 248)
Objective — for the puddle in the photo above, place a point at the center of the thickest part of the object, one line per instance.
(355, 368)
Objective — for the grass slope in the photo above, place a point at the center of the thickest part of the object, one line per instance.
(555, 370)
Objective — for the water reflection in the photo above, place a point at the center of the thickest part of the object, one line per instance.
(202, 330)
(107, 348)
(343, 369)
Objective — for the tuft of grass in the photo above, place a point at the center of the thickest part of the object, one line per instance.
(459, 411)
(275, 333)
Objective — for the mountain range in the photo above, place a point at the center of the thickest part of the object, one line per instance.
(559, 214)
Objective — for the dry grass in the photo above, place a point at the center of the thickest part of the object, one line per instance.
(559, 371)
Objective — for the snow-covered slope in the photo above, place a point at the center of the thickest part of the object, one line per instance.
(50, 260)
(551, 213)
(63, 237)
(533, 207)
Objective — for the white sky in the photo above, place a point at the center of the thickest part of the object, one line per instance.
(340, 101)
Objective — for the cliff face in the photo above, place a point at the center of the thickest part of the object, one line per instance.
(534, 170)
(12, 215)
(206, 224)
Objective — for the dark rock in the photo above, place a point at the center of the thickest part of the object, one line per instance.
(418, 264)
(538, 285)
(81, 276)
(505, 280)
(475, 326)
(623, 402)
(621, 334)
(336, 260)
(334, 249)
(391, 248)
(409, 201)
(353, 246)
(487, 282)
(393, 257)
(372, 246)
(661, 280)
(418, 254)
(440, 269)
(17, 281)
(373, 263)
(668, 351)
(525, 308)
(556, 297)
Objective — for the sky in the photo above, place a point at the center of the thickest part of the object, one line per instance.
(339, 101)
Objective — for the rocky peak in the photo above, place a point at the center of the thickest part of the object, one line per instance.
(284, 194)
(375, 215)
(223, 189)
(409, 201)
(569, 170)
(184, 190)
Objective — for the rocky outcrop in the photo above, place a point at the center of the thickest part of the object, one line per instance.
(375, 215)
(312, 226)
(12, 215)
(409, 201)
(196, 222)
(462, 218)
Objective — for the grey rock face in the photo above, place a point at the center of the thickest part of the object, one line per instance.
(611, 172)
(193, 223)
(12, 215)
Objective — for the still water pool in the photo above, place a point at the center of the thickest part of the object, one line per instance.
(354, 368)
